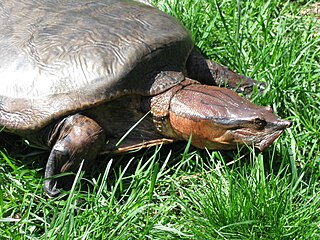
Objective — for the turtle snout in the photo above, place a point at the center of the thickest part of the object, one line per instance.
(283, 124)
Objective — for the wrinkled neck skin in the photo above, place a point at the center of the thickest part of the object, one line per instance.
(216, 118)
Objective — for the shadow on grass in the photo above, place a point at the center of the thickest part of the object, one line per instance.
(31, 157)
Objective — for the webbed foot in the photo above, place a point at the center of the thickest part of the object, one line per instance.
(211, 73)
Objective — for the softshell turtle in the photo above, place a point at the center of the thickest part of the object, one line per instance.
(76, 75)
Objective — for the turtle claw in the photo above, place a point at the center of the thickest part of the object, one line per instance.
(261, 86)
(57, 156)
(50, 188)
(248, 89)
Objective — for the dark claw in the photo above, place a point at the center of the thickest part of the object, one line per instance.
(247, 90)
(50, 188)
(262, 87)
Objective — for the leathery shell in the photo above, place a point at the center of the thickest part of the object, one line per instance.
(60, 57)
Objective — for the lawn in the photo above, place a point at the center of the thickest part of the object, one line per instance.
(180, 192)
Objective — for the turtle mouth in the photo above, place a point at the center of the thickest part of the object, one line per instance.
(270, 138)
(264, 143)
(259, 141)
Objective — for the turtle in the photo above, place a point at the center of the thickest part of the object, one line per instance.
(78, 75)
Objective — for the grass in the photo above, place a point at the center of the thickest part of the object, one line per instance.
(178, 192)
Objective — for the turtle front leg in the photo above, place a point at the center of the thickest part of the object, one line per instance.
(75, 139)
(211, 73)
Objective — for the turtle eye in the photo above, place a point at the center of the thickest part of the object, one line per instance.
(259, 123)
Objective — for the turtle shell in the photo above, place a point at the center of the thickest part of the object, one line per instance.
(59, 57)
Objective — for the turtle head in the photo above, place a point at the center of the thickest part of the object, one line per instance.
(216, 118)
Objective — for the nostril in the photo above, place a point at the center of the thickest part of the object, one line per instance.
(268, 108)
(285, 123)
(289, 123)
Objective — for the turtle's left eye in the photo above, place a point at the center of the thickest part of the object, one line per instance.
(259, 123)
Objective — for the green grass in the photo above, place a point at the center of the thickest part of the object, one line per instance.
(178, 192)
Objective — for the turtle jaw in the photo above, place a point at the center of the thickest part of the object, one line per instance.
(218, 118)
(273, 133)
(260, 139)
(265, 142)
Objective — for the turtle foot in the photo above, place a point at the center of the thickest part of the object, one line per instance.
(78, 138)
(211, 73)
